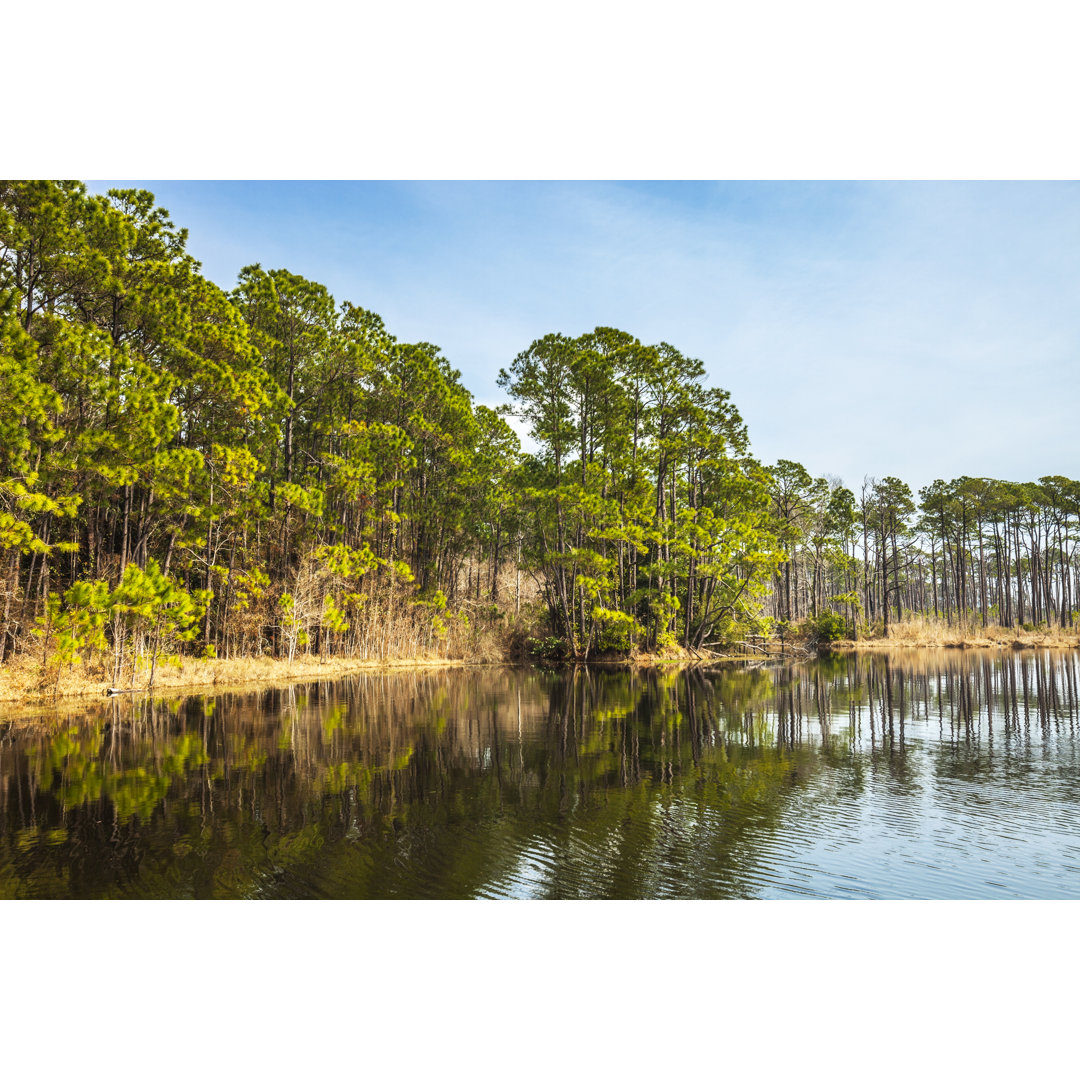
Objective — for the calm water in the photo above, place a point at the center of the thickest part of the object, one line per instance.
(937, 774)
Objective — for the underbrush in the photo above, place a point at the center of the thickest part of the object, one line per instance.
(391, 632)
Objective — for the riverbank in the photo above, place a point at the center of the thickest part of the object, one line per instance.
(23, 681)
(675, 658)
(21, 677)
(930, 635)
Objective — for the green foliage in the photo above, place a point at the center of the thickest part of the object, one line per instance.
(271, 442)
(74, 625)
(149, 615)
(333, 618)
(828, 626)
(649, 524)
(618, 630)
(146, 598)
(152, 615)
(347, 562)
(150, 419)
(547, 648)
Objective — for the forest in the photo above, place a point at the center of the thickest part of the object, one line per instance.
(269, 471)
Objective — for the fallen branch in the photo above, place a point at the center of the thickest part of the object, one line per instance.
(744, 644)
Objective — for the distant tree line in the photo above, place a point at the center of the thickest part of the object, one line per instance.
(271, 471)
(971, 551)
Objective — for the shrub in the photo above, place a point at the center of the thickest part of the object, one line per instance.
(828, 626)
(547, 648)
(616, 630)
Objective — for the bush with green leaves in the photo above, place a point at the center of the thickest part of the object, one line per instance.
(151, 615)
(826, 627)
(547, 648)
(74, 624)
(148, 613)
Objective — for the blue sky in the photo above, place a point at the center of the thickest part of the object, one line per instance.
(913, 329)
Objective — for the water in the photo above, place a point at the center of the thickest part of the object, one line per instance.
(932, 775)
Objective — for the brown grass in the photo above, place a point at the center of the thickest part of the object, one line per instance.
(22, 680)
(923, 633)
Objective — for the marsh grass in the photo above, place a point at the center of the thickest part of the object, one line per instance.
(23, 680)
(929, 633)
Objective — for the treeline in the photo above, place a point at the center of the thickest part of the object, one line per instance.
(972, 552)
(651, 523)
(230, 474)
(269, 471)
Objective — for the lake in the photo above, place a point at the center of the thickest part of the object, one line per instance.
(921, 774)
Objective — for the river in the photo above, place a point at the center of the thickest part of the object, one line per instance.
(921, 774)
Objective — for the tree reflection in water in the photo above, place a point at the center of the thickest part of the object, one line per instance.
(529, 782)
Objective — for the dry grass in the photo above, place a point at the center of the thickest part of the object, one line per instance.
(22, 680)
(926, 633)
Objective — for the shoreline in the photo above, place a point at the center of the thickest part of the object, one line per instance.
(20, 678)
(1025, 639)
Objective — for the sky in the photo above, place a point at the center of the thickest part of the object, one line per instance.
(916, 329)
